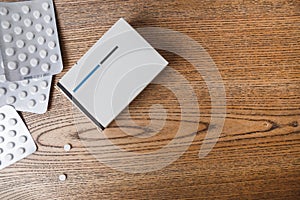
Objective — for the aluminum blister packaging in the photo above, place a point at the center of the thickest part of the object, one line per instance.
(16, 142)
(29, 40)
(28, 95)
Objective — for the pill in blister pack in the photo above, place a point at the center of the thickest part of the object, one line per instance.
(29, 40)
(16, 142)
(28, 95)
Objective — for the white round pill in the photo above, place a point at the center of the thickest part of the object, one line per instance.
(45, 6)
(3, 11)
(2, 128)
(42, 97)
(31, 103)
(23, 94)
(29, 35)
(44, 84)
(13, 86)
(11, 100)
(12, 65)
(54, 58)
(41, 40)
(2, 116)
(39, 27)
(1, 139)
(10, 145)
(16, 17)
(20, 43)
(23, 139)
(5, 24)
(27, 22)
(12, 121)
(25, 82)
(31, 48)
(2, 91)
(49, 31)
(36, 14)
(45, 67)
(2, 78)
(7, 38)
(12, 133)
(18, 30)
(9, 157)
(62, 177)
(1, 151)
(67, 147)
(34, 89)
(43, 53)
(21, 150)
(51, 44)
(34, 62)
(47, 18)
(22, 57)
(25, 9)
(24, 71)
(9, 51)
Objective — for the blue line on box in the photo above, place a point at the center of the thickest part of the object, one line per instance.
(95, 69)
(86, 78)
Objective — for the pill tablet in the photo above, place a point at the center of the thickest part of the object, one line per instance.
(20, 43)
(9, 51)
(45, 6)
(11, 100)
(49, 31)
(3, 11)
(30, 35)
(47, 19)
(24, 70)
(27, 22)
(22, 57)
(67, 147)
(51, 44)
(38, 27)
(45, 67)
(36, 14)
(5, 24)
(43, 53)
(25, 9)
(34, 62)
(13, 86)
(18, 30)
(12, 65)
(62, 177)
(54, 58)
(7, 38)
(12, 149)
(16, 17)
(31, 48)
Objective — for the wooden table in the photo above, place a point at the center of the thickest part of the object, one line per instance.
(256, 47)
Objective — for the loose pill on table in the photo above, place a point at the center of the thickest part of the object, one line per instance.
(67, 147)
(62, 177)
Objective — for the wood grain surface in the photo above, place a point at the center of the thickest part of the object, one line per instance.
(256, 47)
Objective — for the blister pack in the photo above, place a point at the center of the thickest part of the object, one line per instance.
(29, 40)
(30, 95)
(16, 142)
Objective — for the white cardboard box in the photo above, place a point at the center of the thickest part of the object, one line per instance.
(112, 73)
